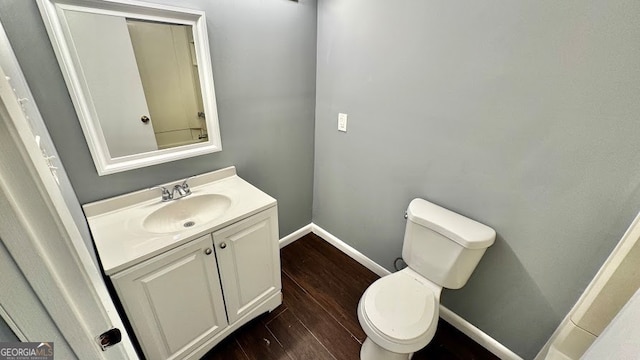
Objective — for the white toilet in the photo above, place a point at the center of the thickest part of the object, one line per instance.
(399, 312)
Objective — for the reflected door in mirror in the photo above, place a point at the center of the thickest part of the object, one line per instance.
(103, 48)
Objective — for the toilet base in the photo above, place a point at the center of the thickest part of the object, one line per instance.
(372, 351)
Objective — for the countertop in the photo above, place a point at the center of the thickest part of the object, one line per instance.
(116, 223)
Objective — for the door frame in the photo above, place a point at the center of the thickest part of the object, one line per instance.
(38, 231)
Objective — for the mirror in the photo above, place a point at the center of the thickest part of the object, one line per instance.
(140, 78)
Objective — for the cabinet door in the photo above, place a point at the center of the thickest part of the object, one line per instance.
(249, 261)
(174, 301)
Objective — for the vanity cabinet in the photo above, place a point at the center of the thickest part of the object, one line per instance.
(184, 301)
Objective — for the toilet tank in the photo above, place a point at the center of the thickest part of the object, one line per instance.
(443, 246)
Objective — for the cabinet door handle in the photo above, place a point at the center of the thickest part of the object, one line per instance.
(223, 245)
(208, 251)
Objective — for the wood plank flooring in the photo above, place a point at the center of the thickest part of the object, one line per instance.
(321, 288)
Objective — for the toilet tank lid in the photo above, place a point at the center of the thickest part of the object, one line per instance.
(466, 232)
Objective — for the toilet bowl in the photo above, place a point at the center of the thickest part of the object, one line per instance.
(399, 312)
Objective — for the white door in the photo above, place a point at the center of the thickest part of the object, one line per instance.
(249, 262)
(41, 238)
(33, 321)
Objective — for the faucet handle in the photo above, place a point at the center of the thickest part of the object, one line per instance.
(166, 194)
(185, 186)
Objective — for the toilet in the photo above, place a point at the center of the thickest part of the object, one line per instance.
(399, 312)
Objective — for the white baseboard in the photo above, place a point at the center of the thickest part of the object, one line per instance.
(295, 235)
(477, 335)
(347, 249)
(449, 316)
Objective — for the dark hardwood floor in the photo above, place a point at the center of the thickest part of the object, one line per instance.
(321, 288)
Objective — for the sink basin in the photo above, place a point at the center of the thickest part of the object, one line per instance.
(187, 212)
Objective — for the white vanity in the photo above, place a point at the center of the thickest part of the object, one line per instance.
(190, 271)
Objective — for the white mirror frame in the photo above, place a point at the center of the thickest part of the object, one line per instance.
(52, 14)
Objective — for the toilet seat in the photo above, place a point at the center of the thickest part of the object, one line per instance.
(400, 312)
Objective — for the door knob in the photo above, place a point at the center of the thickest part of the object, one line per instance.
(223, 245)
(145, 119)
(207, 251)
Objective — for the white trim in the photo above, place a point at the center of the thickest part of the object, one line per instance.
(606, 272)
(449, 316)
(593, 290)
(295, 235)
(4, 314)
(349, 250)
(477, 335)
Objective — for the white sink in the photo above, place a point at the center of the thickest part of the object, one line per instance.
(133, 227)
(186, 212)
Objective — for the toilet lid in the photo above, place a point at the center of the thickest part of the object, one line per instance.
(400, 307)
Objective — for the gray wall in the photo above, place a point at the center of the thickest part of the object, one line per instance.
(263, 55)
(522, 115)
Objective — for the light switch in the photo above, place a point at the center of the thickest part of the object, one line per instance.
(342, 122)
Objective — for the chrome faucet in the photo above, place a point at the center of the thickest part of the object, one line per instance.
(182, 189)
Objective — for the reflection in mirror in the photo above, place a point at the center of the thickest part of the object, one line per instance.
(140, 79)
(169, 73)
